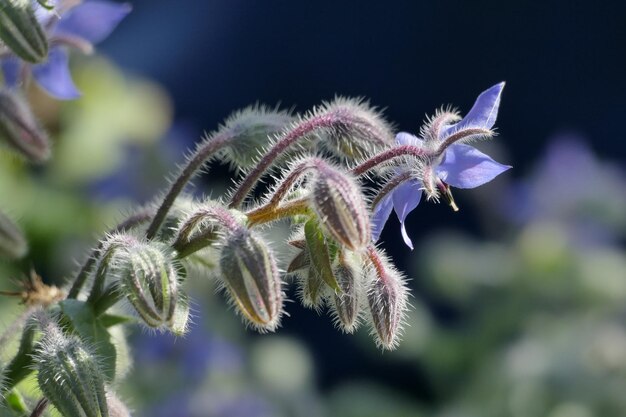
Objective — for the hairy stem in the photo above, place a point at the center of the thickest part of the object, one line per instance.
(386, 155)
(301, 131)
(290, 180)
(389, 186)
(267, 214)
(21, 365)
(374, 258)
(202, 153)
(461, 134)
(128, 224)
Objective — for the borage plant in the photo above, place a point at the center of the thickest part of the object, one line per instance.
(318, 161)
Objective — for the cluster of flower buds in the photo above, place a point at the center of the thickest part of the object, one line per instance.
(337, 264)
(318, 160)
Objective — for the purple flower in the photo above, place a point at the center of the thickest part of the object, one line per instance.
(447, 162)
(78, 26)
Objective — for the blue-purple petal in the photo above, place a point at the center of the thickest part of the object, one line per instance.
(380, 214)
(483, 114)
(92, 20)
(11, 67)
(404, 138)
(466, 167)
(54, 76)
(406, 197)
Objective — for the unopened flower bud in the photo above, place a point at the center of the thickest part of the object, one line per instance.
(69, 375)
(19, 129)
(358, 130)
(388, 301)
(346, 305)
(149, 278)
(251, 278)
(251, 131)
(338, 203)
(21, 32)
(12, 241)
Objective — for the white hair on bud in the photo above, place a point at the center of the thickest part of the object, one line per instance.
(387, 296)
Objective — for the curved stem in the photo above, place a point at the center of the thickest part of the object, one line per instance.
(21, 365)
(192, 237)
(376, 261)
(389, 186)
(290, 180)
(204, 151)
(301, 131)
(267, 214)
(461, 134)
(40, 408)
(386, 155)
(130, 223)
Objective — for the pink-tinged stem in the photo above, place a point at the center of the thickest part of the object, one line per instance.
(299, 132)
(130, 223)
(384, 156)
(376, 262)
(203, 153)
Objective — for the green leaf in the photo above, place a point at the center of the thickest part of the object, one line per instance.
(93, 331)
(110, 320)
(318, 251)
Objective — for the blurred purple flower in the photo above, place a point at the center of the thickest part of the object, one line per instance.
(571, 186)
(78, 26)
(459, 165)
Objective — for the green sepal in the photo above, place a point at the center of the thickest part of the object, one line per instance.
(179, 323)
(21, 32)
(14, 401)
(319, 253)
(91, 329)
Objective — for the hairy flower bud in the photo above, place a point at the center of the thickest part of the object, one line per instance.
(69, 375)
(358, 132)
(338, 203)
(250, 276)
(346, 305)
(12, 241)
(21, 32)
(387, 297)
(251, 131)
(149, 278)
(19, 129)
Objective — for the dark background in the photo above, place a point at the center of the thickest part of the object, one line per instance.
(564, 63)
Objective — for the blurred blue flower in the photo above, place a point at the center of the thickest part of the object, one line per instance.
(78, 26)
(459, 165)
(573, 187)
(199, 353)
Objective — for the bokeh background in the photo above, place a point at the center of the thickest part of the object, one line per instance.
(519, 304)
